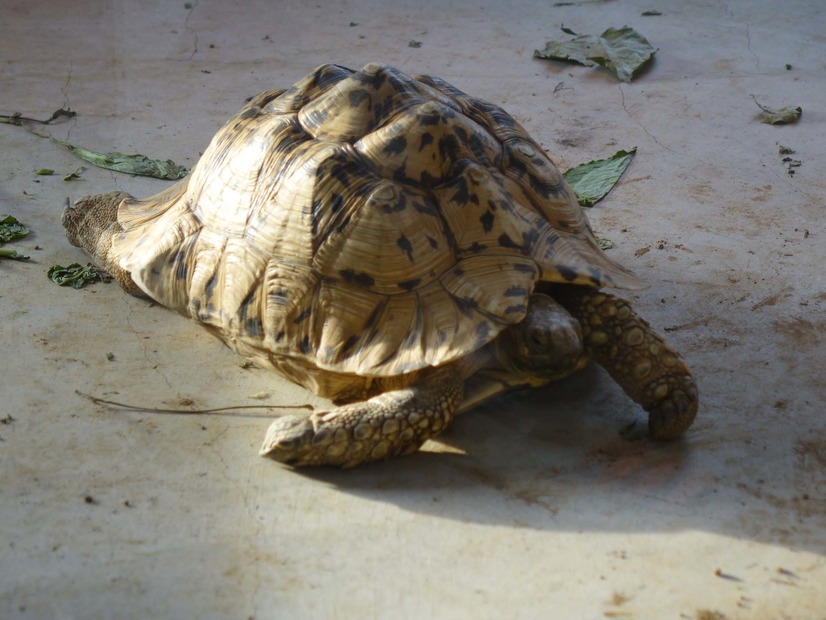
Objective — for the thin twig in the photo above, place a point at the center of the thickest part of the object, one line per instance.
(101, 401)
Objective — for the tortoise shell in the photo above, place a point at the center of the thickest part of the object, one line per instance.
(363, 223)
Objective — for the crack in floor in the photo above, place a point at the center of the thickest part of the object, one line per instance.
(191, 7)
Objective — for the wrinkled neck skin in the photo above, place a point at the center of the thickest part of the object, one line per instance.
(545, 346)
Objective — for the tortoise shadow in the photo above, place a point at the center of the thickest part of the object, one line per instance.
(556, 459)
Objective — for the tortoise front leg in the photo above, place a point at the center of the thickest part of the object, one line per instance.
(638, 358)
(392, 423)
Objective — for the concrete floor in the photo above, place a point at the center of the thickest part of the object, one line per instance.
(531, 507)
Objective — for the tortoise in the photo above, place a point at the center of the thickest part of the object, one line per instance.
(395, 245)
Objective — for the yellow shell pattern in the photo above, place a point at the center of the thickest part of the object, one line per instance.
(363, 223)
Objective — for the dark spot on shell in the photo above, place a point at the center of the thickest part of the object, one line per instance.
(345, 221)
(433, 243)
(449, 147)
(529, 238)
(336, 202)
(405, 246)
(516, 309)
(253, 327)
(476, 247)
(400, 173)
(430, 119)
(426, 140)
(483, 332)
(249, 113)
(374, 315)
(478, 148)
(425, 207)
(356, 97)
(349, 344)
(305, 345)
(209, 288)
(396, 145)
(340, 174)
(400, 205)
(521, 267)
(301, 317)
(279, 336)
(506, 242)
(327, 75)
(517, 166)
(461, 194)
(466, 305)
(459, 272)
(566, 272)
(516, 291)
(180, 266)
(409, 285)
(427, 180)
(358, 278)
(487, 221)
(373, 79)
(544, 188)
(595, 275)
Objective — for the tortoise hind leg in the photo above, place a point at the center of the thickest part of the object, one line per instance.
(638, 358)
(390, 424)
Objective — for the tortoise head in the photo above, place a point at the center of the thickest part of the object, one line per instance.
(545, 345)
(87, 219)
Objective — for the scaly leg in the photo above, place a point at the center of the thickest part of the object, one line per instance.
(638, 358)
(386, 425)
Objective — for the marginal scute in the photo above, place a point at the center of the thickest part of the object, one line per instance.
(362, 225)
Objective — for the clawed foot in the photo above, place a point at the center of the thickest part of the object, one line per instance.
(322, 439)
(673, 408)
(392, 423)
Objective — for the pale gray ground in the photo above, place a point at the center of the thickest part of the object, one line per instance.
(533, 506)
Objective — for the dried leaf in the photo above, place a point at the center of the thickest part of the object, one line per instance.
(782, 116)
(622, 51)
(74, 176)
(20, 120)
(593, 180)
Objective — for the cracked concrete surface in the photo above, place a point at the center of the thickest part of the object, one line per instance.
(532, 506)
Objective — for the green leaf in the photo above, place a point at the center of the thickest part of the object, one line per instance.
(622, 51)
(605, 244)
(11, 229)
(131, 164)
(13, 254)
(76, 275)
(137, 164)
(782, 116)
(44, 172)
(74, 176)
(593, 180)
